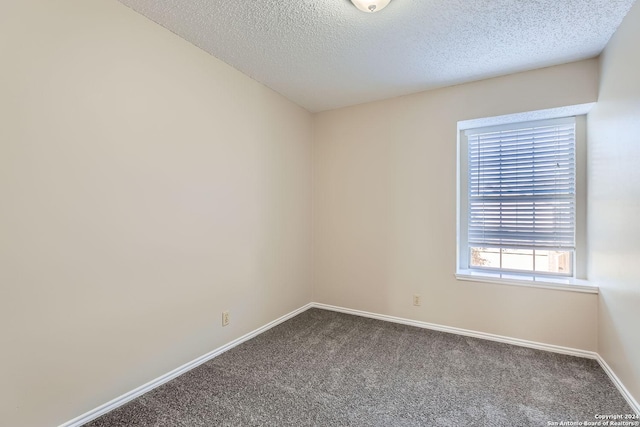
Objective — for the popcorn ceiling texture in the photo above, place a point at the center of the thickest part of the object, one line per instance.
(325, 54)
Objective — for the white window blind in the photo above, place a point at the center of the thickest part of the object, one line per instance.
(521, 186)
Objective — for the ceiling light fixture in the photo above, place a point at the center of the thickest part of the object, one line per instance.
(370, 6)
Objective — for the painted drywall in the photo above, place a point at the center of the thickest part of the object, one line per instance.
(614, 202)
(145, 188)
(385, 210)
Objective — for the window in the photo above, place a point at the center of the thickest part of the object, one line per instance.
(518, 199)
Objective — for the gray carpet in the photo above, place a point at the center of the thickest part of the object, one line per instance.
(330, 369)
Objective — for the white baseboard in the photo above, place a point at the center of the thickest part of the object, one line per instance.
(499, 338)
(465, 332)
(621, 388)
(121, 400)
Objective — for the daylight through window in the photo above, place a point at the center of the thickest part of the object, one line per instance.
(521, 183)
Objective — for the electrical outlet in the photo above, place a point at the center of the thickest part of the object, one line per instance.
(225, 318)
(417, 300)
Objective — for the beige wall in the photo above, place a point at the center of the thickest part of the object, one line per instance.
(614, 202)
(145, 187)
(385, 210)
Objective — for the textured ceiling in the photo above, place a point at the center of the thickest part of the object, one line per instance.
(324, 54)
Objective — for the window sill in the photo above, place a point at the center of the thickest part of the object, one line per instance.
(560, 284)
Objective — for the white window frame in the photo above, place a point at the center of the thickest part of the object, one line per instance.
(575, 282)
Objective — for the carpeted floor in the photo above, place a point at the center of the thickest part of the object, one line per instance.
(330, 369)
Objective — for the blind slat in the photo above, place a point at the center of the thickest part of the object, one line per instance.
(522, 187)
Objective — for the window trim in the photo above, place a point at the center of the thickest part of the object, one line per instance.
(575, 282)
(532, 281)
